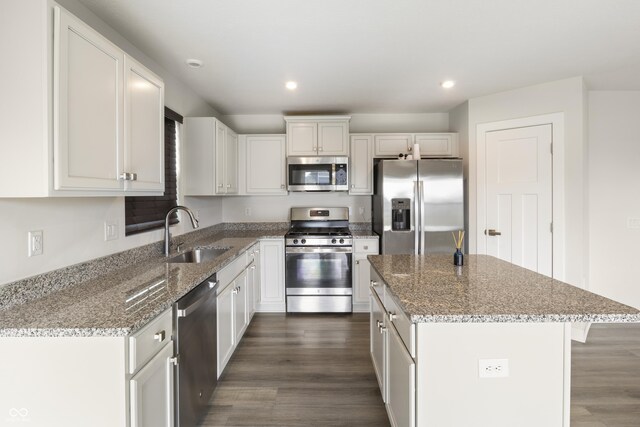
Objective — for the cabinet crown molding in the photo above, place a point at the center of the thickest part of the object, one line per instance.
(316, 118)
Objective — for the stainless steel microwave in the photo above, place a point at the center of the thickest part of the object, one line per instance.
(318, 173)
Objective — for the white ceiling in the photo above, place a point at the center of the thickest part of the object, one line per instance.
(376, 56)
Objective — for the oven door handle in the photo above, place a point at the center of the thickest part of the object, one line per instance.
(317, 250)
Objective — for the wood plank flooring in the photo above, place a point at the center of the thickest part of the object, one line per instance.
(315, 370)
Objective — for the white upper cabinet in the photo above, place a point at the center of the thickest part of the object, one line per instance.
(266, 164)
(88, 107)
(317, 135)
(209, 158)
(361, 165)
(144, 127)
(437, 144)
(390, 145)
(444, 144)
(91, 131)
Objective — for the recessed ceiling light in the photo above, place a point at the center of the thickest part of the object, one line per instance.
(448, 84)
(291, 85)
(194, 63)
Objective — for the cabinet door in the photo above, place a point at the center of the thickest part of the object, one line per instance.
(401, 379)
(151, 392)
(220, 157)
(88, 107)
(226, 335)
(362, 275)
(392, 144)
(272, 277)
(361, 165)
(266, 165)
(437, 144)
(302, 139)
(333, 139)
(199, 156)
(241, 314)
(378, 345)
(144, 128)
(256, 277)
(231, 162)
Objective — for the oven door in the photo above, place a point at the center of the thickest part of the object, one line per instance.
(318, 271)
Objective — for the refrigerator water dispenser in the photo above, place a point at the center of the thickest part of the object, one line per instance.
(400, 214)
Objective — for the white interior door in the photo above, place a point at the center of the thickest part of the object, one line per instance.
(519, 196)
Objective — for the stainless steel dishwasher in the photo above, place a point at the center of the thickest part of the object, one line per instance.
(195, 341)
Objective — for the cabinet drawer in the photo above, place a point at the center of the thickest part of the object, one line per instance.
(367, 246)
(149, 340)
(231, 271)
(401, 322)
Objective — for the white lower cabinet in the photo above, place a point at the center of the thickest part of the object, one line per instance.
(253, 280)
(226, 334)
(361, 272)
(401, 380)
(272, 295)
(151, 392)
(241, 314)
(392, 362)
(378, 344)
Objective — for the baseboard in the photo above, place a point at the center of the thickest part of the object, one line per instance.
(278, 307)
(579, 331)
(361, 307)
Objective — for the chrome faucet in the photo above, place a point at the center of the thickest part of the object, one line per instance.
(167, 234)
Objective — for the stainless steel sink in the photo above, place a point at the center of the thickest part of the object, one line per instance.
(196, 256)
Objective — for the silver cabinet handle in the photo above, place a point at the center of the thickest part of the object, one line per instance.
(392, 316)
(228, 185)
(159, 336)
(212, 284)
(127, 176)
(378, 323)
(366, 247)
(319, 148)
(220, 185)
(235, 290)
(253, 267)
(358, 262)
(382, 329)
(373, 283)
(492, 232)
(174, 360)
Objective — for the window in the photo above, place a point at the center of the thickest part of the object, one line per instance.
(145, 213)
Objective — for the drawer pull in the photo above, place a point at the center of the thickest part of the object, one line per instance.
(159, 336)
(358, 262)
(392, 316)
(374, 283)
(366, 247)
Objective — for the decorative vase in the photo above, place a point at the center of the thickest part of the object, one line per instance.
(458, 257)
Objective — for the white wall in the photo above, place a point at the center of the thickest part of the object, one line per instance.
(276, 208)
(360, 123)
(566, 96)
(614, 180)
(74, 227)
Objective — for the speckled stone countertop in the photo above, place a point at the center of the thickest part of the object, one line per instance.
(431, 289)
(103, 305)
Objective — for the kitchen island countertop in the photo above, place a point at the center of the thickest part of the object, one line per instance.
(431, 289)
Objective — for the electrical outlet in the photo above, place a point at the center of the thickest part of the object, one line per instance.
(633, 222)
(247, 211)
(110, 231)
(35, 243)
(493, 368)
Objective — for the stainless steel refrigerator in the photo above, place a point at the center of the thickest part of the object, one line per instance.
(417, 204)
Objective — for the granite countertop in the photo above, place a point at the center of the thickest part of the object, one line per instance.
(121, 301)
(431, 289)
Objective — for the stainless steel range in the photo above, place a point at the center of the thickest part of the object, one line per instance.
(318, 252)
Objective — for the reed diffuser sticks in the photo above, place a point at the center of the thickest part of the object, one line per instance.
(458, 241)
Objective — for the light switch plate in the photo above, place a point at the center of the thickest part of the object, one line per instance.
(35, 243)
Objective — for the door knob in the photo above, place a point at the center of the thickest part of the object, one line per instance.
(492, 232)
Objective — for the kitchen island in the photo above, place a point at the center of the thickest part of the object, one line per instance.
(485, 344)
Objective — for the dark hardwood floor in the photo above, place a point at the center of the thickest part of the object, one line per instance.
(315, 370)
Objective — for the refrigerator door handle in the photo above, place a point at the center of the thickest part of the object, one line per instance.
(422, 233)
(416, 217)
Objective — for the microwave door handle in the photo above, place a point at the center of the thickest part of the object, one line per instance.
(333, 174)
(416, 218)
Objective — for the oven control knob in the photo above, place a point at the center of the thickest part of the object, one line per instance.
(341, 240)
(333, 240)
(303, 241)
(295, 241)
